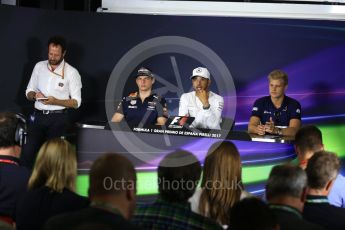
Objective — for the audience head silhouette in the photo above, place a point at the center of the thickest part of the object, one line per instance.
(323, 167)
(308, 140)
(287, 185)
(177, 180)
(113, 181)
(252, 213)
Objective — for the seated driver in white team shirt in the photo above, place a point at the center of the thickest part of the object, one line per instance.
(202, 103)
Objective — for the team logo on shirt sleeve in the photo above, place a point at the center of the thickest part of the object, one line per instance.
(133, 103)
(298, 111)
(255, 109)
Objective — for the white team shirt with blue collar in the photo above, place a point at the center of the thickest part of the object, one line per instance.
(210, 118)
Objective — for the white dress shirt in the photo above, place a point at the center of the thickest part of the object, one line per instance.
(211, 118)
(50, 83)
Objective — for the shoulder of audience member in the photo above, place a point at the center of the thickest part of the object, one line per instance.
(74, 219)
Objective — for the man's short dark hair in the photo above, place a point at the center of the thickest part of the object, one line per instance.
(252, 213)
(58, 40)
(286, 180)
(322, 167)
(177, 180)
(8, 125)
(308, 138)
(111, 173)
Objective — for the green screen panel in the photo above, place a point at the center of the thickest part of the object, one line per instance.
(333, 138)
(147, 181)
(82, 184)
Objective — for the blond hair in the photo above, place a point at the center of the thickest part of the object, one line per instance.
(55, 166)
(278, 75)
(221, 176)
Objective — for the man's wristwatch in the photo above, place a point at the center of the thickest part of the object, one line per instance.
(206, 107)
(279, 131)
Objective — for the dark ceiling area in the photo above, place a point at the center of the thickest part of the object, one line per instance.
(93, 5)
(74, 5)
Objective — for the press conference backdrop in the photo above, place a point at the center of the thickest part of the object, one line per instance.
(108, 48)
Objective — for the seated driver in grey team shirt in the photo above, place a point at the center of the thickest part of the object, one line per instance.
(202, 103)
